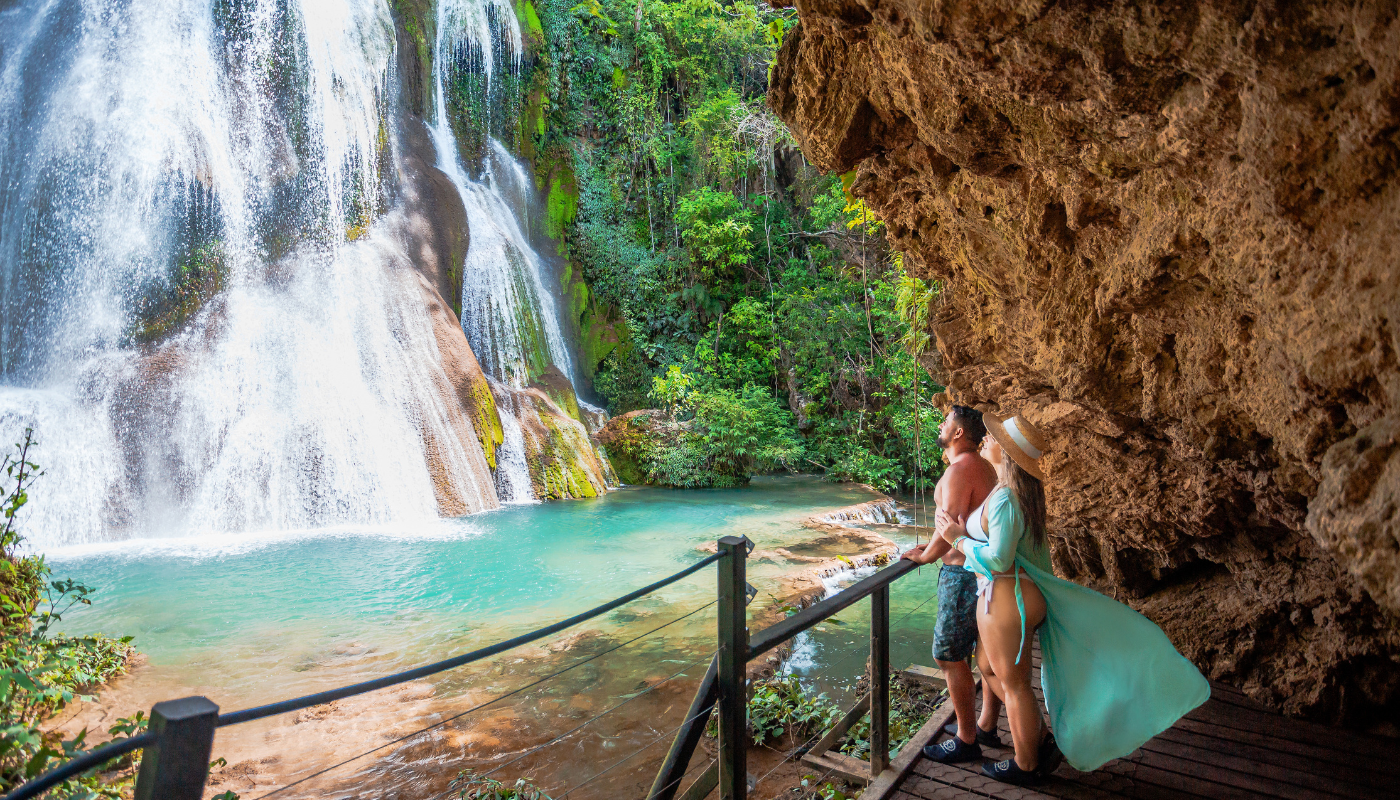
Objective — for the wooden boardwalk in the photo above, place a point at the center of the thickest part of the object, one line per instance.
(1231, 748)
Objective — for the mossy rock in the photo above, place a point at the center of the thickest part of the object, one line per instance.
(602, 330)
(486, 418)
(558, 452)
(629, 439)
(166, 310)
(555, 384)
(530, 24)
(561, 205)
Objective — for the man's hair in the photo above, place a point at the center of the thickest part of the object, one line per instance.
(970, 420)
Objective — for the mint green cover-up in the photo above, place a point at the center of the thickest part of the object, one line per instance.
(1112, 678)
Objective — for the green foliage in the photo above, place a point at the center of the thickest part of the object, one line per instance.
(470, 785)
(782, 705)
(813, 788)
(717, 232)
(673, 390)
(725, 266)
(908, 712)
(731, 435)
(745, 431)
(42, 671)
(20, 474)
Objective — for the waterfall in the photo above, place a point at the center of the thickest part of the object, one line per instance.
(204, 311)
(508, 314)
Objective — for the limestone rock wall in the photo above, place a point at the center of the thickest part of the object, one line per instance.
(1169, 233)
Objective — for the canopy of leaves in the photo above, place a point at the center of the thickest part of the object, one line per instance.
(768, 286)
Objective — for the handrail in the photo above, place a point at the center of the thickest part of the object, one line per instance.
(81, 764)
(774, 635)
(298, 703)
(115, 749)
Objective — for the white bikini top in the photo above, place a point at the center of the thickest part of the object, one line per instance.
(973, 525)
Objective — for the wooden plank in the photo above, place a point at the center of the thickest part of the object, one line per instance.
(704, 784)
(1110, 783)
(1176, 783)
(879, 681)
(1103, 787)
(852, 769)
(1066, 788)
(1240, 771)
(931, 774)
(885, 782)
(929, 676)
(838, 730)
(1351, 782)
(1296, 730)
(1242, 701)
(1327, 758)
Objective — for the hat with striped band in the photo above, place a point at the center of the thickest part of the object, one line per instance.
(1019, 439)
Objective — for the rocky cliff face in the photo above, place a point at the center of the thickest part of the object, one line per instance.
(1169, 233)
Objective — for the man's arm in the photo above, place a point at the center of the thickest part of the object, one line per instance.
(929, 553)
(957, 500)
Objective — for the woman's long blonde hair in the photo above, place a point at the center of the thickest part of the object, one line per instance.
(1030, 495)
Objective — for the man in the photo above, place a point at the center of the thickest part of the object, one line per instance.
(966, 482)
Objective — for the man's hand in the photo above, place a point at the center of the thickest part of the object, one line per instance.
(928, 553)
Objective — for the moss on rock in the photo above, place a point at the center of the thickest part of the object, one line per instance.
(561, 206)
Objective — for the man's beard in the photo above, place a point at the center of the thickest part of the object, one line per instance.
(943, 441)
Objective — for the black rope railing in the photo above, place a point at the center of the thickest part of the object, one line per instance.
(320, 698)
(488, 703)
(81, 764)
(113, 750)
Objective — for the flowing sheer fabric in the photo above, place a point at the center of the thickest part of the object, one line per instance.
(1112, 678)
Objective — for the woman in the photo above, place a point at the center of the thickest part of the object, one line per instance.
(1112, 679)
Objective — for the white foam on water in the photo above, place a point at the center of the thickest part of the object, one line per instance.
(306, 394)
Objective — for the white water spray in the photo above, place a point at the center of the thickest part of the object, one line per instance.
(509, 316)
(146, 138)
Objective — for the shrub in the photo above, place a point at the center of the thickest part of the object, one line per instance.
(41, 671)
(471, 786)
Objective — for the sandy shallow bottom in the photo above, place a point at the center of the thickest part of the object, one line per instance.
(410, 741)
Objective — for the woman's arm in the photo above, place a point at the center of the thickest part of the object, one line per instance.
(1004, 527)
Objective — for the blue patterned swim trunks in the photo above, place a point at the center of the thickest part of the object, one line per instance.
(955, 631)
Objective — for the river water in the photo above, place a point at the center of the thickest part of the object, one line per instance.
(250, 619)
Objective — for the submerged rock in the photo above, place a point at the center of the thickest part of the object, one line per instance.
(1167, 234)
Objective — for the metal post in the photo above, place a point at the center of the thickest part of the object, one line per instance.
(176, 767)
(879, 680)
(733, 657)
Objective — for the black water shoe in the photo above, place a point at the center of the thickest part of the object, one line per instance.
(1007, 772)
(1049, 757)
(984, 738)
(953, 751)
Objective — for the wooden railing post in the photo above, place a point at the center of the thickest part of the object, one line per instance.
(733, 658)
(176, 767)
(879, 680)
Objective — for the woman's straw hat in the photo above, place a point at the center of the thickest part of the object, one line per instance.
(1019, 439)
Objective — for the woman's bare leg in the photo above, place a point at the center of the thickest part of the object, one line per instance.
(991, 692)
(1000, 631)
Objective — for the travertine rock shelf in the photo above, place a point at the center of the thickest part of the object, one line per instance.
(1169, 233)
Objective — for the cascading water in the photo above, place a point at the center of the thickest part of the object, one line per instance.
(508, 315)
(206, 317)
